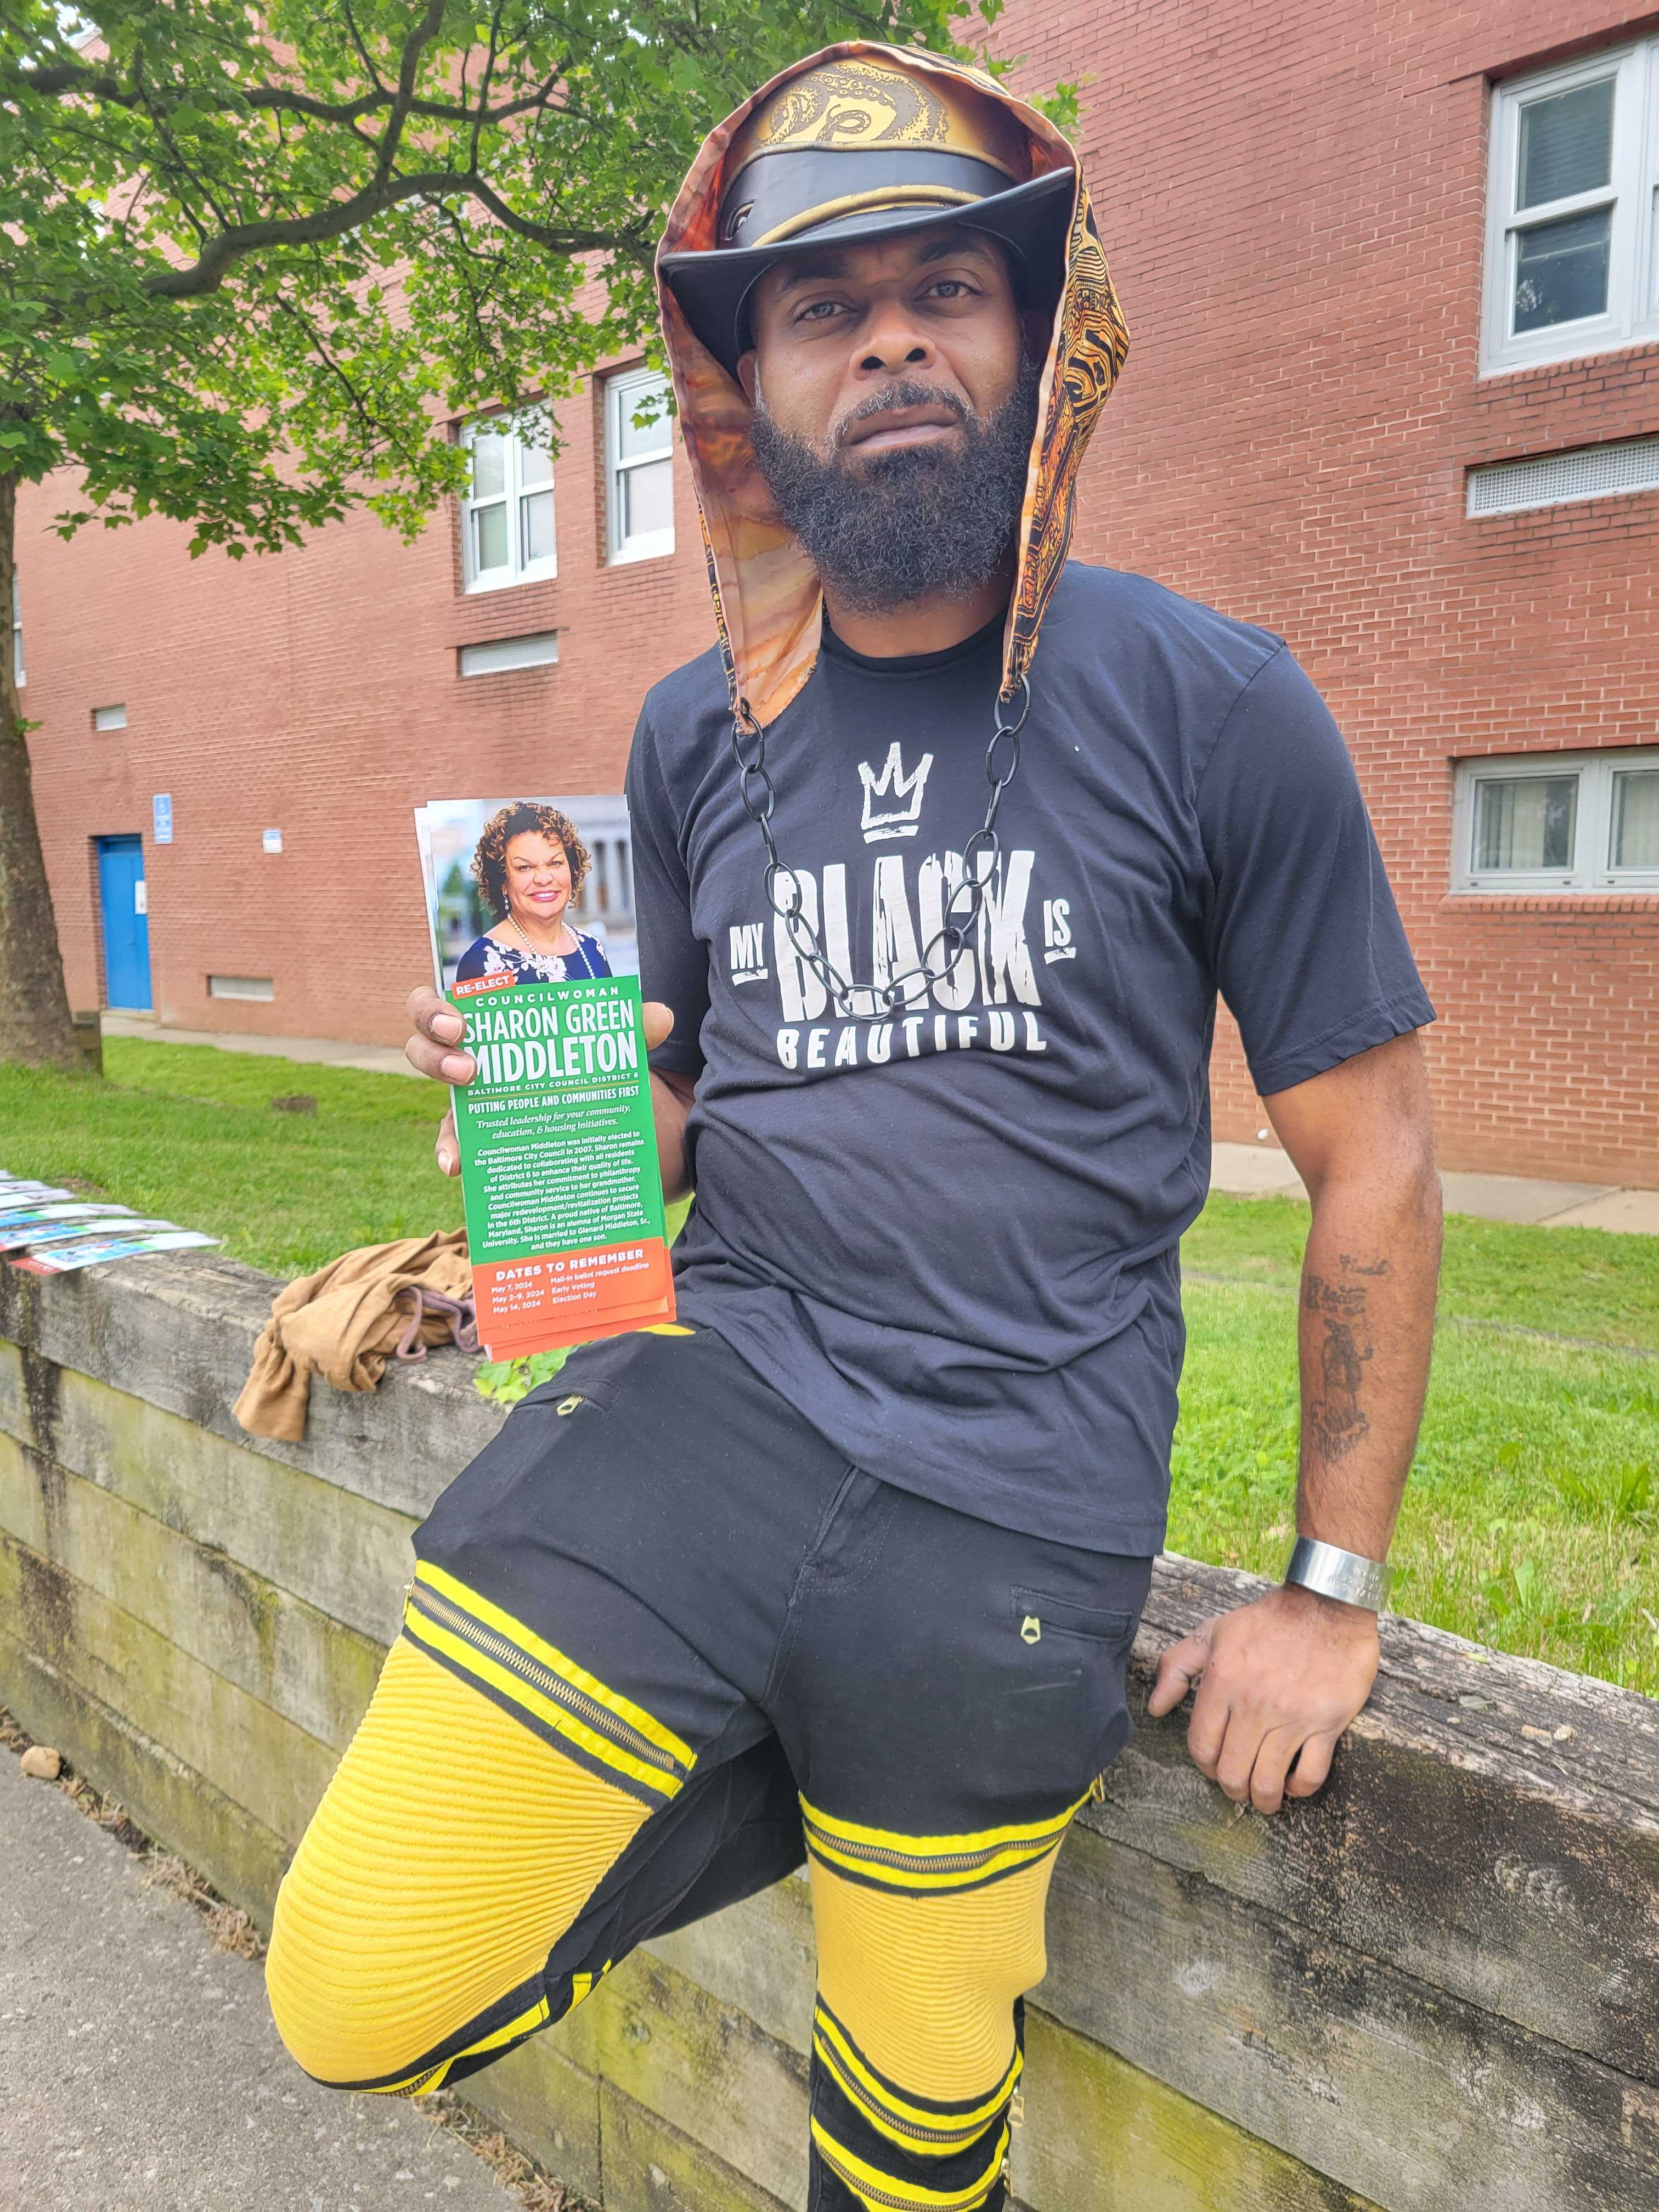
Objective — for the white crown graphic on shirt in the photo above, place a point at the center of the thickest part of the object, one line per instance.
(897, 821)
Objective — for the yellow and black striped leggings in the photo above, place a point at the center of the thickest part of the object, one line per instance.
(662, 1642)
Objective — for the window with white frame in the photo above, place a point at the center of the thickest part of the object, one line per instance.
(507, 516)
(1572, 239)
(17, 675)
(639, 444)
(1557, 822)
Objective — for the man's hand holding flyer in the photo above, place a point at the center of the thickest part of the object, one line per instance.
(559, 1168)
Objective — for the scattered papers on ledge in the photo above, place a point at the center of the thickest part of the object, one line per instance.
(46, 1231)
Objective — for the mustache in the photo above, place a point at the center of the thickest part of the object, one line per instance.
(928, 521)
(907, 393)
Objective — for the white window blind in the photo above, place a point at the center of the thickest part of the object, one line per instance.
(1572, 257)
(1557, 822)
(507, 516)
(640, 467)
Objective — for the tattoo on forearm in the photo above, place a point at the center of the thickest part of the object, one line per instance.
(1333, 1412)
(1352, 1266)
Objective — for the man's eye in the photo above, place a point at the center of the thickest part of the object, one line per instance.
(951, 288)
(817, 310)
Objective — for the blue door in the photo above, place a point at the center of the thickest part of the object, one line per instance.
(126, 922)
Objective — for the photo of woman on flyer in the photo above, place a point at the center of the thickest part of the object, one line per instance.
(529, 864)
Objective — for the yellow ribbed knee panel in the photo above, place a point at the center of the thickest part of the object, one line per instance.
(450, 1852)
(925, 1982)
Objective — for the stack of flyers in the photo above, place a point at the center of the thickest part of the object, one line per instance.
(559, 1172)
(17, 1190)
(78, 1232)
(62, 1259)
(15, 1236)
(20, 1224)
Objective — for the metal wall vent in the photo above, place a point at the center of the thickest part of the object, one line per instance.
(1590, 472)
(488, 660)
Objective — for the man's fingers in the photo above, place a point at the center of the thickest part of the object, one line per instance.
(1208, 1729)
(1313, 1766)
(438, 1030)
(1252, 1763)
(434, 1016)
(438, 1061)
(448, 1151)
(1178, 1669)
(658, 1023)
(1273, 1759)
(1236, 1756)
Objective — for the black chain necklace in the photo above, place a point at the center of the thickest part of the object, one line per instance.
(979, 860)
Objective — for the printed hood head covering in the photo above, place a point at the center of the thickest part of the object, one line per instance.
(858, 139)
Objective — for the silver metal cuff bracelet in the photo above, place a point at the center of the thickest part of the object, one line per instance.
(1332, 1572)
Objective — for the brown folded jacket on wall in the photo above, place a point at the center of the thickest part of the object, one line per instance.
(344, 1322)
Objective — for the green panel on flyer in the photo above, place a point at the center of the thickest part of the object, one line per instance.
(559, 1170)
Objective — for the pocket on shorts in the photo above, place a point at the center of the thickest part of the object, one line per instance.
(1095, 1642)
(1038, 1615)
(595, 1375)
(565, 1398)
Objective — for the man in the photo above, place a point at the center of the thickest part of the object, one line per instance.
(850, 1560)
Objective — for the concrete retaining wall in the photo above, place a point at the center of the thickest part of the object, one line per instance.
(1436, 1986)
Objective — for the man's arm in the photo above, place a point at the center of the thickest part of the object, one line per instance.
(1280, 1680)
(438, 1050)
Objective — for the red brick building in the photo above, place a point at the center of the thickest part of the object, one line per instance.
(1393, 279)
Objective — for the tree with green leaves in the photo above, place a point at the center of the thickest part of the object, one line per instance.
(256, 260)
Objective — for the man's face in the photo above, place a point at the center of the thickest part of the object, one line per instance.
(834, 330)
(895, 400)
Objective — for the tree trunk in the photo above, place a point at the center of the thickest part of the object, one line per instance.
(34, 1010)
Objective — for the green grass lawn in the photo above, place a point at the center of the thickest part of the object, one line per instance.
(1532, 1521)
(1532, 1517)
(189, 1132)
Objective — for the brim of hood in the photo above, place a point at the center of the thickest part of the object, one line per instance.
(1032, 220)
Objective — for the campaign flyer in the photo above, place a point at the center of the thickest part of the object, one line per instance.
(62, 1260)
(15, 1236)
(21, 1215)
(559, 1168)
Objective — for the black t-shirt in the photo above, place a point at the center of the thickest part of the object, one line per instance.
(951, 1239)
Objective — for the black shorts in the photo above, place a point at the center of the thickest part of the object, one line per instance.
(710, 1647)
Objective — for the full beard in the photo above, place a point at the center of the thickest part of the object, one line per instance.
(918, 522)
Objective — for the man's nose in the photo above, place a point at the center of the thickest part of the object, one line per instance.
(893, 339)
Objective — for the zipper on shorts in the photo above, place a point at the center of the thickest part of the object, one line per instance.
(880, 1854)
(868, 2194)
(856, 2090)
(552, 1685)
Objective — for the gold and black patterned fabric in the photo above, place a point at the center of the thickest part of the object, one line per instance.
(662, 1645)
(858, 141)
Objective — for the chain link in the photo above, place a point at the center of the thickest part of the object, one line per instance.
(979, 859)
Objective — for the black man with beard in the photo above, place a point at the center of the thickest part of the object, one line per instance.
(942, 855)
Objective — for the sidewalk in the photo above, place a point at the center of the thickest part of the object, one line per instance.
(1244, 1171)
(1263, 1171)
(319, 1052)
(140, 2069)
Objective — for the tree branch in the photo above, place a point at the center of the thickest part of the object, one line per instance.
(375, 432)
(237, 241)
(67, 79)
(418, 40)
(363, 54)
(632, 244)
(484, 83)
